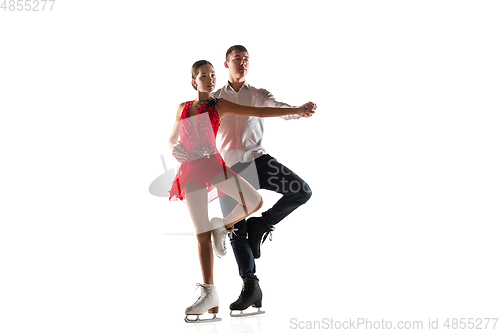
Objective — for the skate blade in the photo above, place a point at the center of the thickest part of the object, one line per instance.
(198, 320)
(248, 314)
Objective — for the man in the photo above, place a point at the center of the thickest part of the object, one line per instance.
(240, 142)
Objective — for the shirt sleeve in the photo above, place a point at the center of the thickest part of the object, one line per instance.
(268, 100)
(217, 93)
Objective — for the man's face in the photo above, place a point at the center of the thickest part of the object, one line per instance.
(238, 64)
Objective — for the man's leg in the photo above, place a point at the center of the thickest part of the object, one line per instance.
(251, 294)
(276, 177)
(239, 242)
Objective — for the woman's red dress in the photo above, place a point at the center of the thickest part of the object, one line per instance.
(197, 136)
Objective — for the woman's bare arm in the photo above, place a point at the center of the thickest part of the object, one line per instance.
(174, 137)
(227, 107)
(178, 150)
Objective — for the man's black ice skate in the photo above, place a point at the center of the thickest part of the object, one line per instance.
(257, 234)
(251, 294)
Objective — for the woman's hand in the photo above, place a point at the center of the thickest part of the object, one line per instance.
(179, 152)
(307, 110)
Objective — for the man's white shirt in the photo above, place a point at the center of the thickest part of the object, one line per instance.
(240, 137)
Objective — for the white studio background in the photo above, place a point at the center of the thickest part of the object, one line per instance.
(402, 157)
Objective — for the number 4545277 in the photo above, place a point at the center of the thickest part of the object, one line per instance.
(27, 5)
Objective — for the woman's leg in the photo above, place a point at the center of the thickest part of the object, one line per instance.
(196, 199)
(249, 200)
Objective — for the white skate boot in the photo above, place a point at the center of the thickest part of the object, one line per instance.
(219, 233)
(208, 301)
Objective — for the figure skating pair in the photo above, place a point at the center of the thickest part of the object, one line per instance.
(204, 176)
(240, 142)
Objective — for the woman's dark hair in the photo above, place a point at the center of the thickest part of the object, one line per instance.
(240, 48)
(196, 68)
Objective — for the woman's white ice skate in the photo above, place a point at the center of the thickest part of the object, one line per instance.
(208, 301)
(219, 233)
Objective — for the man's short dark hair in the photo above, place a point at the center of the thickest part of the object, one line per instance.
(233, 48)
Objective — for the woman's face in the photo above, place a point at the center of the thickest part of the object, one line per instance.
(205, 80)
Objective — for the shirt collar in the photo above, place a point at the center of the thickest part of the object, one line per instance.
(229, 88)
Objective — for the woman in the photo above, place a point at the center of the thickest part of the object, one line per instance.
(204, 171)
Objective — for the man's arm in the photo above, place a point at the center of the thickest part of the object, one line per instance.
(227, 107)
(268, 100)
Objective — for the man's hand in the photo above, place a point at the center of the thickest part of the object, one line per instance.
(180, 153)
(308, 110)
